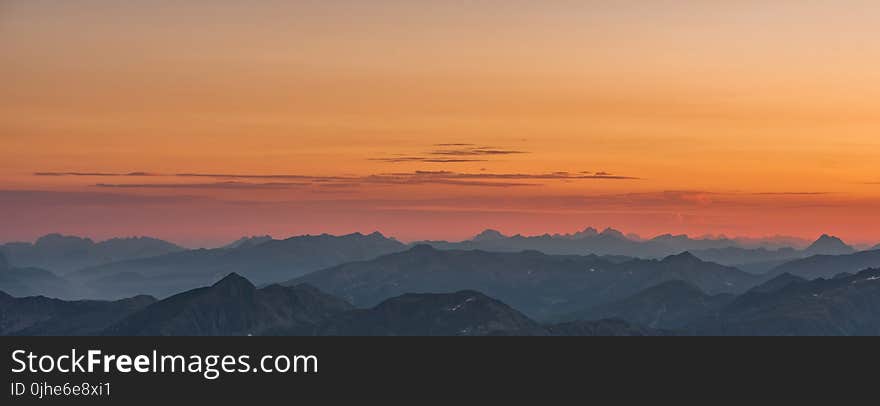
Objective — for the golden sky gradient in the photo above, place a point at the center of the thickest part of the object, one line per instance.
(703, 117)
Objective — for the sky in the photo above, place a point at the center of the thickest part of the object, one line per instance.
(202, 121)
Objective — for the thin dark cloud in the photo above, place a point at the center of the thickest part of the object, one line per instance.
(459, 153)
(246, 176)
(97, 174)
(547, 176)
(423, 179)
(475, 151)
(284, 181)
(218, 185)
(790, 193)
(425, 159)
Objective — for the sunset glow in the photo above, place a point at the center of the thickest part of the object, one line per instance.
(203, 122)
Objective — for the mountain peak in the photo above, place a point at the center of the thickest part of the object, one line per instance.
(610, 232)
(587, 232)
(489, 235)
(829, 245)
(55, 239)
(234, 281)
(244, 242)
(683, 257)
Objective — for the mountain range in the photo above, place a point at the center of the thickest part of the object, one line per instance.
(540, 285)
(32, 281)
(248, 241)
(847, 305)
(829, 266)
(606, 242)
(263, 262)
(373, 285)
(233, 306)
(753, 255)
(38, 315)
(670, 305)
(63, 254)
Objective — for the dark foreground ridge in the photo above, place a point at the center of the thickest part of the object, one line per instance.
(235, 307)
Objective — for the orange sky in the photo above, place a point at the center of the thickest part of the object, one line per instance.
(736, 117)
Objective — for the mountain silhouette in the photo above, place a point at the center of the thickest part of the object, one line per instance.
(585, 233)
(752, 260)
(829, 245)
(614, 242)
(465, 313)
(847, 305)
(268, 262)
(232, 307)
(489, 235)
(20, 282)
(828, 266)
(248, 242)
(762, 260)
(542, 286)
(63, 254)
(37, 316)
(778, 283)
(670, 305)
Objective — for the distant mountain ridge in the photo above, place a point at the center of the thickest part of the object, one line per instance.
(248, 241)
(542, 286)
(848, 305)
(63, 254)
(464, 313)
(778, 283)
(726, 251)
(670, 305)
(32, 281)
(267, 262)
(828, 266)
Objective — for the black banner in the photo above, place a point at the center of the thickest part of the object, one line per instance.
(335, 369)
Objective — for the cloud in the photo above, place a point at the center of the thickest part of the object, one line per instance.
(285, 181)
(218, 185)
(97, 174)
(425, 159)
(790, 193)
(475, 151)
(546, 176)
(460, 152)
(248, 176)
